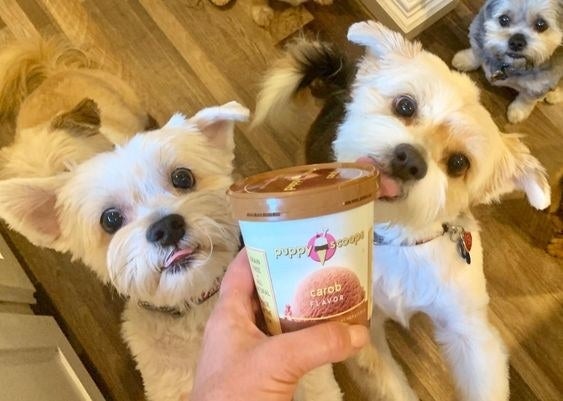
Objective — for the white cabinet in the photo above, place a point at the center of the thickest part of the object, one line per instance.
(37, 362)
(409, 16)
(14, 285)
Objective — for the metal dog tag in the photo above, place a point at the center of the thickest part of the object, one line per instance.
(463, 240)
(462, 249)
(502, 73)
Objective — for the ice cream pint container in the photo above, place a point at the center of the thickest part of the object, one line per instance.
(308, 231)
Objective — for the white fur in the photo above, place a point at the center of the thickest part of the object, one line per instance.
(63, 213)
(276, 94)
(431, 277)
(177, 120)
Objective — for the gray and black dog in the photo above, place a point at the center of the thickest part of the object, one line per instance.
(518, 45)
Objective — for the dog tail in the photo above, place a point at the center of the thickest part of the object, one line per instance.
(307, 64)
(25, 65)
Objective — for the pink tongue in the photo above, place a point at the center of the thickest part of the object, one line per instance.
(178, 255)
(388, 186)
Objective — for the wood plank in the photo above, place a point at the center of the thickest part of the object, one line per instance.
(16, 20)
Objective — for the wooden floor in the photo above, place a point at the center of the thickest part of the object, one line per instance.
(186, 54)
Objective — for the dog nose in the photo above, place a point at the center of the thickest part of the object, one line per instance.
(167, 231)
(408, 163)
(517, 42)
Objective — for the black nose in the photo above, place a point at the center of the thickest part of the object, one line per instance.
(517, 42)
(168, 230)
(408, 163)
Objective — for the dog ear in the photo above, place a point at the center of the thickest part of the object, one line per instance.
(490, 8)
(28, 206)
(519, 170)
(82, 120)
(217, 123)
(381, 41)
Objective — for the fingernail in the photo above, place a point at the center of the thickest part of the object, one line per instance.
(359, 335)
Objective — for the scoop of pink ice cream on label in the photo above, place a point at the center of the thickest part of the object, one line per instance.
(327, 292)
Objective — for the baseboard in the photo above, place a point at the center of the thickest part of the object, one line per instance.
(409, 16)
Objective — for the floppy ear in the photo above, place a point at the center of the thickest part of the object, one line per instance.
(217, 123)
(28, 206)
(519, 170)
(82, 120)
(382, 41)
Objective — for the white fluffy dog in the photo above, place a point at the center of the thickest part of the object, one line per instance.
(439, 153)
(66, 110)
(152, 218)
(518, 45)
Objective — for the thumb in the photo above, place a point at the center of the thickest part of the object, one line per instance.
(304, 350)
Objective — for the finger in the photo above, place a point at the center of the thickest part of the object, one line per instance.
(304, 350)
(237, 295)
(238, 277)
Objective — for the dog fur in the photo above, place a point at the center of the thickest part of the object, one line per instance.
(66, 109)
(417, 267)
(535, 70)
(166, 311)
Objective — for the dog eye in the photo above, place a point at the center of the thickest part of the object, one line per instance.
(182, 178)
(458, 164)
(111, 220)
(541, 25)
(504, 20)
(404, 106)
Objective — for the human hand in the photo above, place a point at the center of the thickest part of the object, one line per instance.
(238, 362)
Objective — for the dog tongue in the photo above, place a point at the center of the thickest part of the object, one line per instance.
(178, 255)
(388, 186)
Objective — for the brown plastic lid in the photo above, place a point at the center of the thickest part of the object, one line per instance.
(303, 191)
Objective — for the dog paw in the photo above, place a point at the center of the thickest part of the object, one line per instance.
(555, 96)
(324, 2)
(518, 112)
(262, 15)
(465, 60)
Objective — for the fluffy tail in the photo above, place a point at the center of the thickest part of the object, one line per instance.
(307, 64)
(25, 65)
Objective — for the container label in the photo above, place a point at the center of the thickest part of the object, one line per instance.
(260, 272)
(312, 270)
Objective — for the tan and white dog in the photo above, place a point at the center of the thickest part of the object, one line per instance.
(152, 218)
(439, 153)
(66, 110)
